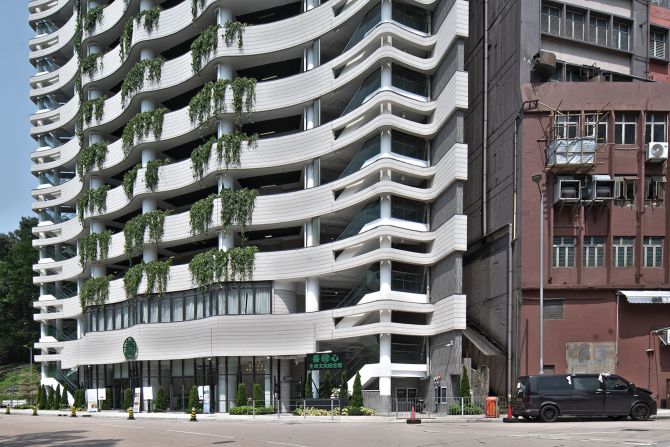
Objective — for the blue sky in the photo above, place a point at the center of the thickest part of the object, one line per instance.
(15, 178)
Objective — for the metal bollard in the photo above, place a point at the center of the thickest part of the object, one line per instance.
(131, 417)
(194, 418)
(462, 406)
(304, 408)
(332, 417)
(35, 410)
(73, 412)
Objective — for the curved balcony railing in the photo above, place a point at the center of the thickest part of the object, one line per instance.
(368, 214)
(369, 284)
(370, 148)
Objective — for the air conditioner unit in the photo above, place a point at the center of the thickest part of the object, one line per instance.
(664, 336)
(601, 187)
(567, 190)
(657, 151)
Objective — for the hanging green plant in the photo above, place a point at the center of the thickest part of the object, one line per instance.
(200, 215)
(92, 18)
(208, 102)
(91, 64)
(200, 158)
(228, 205)
(151, 174)
(132, 279)
(204, 45)
(158, 273)
(134, 80)
(229, 147)
(94, 292)
(150, 17)
(195, 6)
(126, 39)
(93, 200)
(234, 30)
(141, 125)
(237, 206)
(93, 108)
(78, 35)
(244, 96)
(129, 180)
(92, 156)
(236, 264)
(93, 247)
(134, 230)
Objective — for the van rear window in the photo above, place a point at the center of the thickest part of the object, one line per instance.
(554, 383)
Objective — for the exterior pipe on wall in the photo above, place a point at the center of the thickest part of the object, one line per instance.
(485, 121)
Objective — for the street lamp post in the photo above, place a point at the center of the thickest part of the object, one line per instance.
(537, 178)
(30, 352)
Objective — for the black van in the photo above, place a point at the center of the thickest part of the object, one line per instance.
(549, 396)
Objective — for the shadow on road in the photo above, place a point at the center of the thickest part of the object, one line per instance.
(71, 438)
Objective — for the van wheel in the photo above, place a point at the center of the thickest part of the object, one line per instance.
(549, 413)
(640, 412)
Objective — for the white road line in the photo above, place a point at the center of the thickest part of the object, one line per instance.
(283, 443)
(202, 434)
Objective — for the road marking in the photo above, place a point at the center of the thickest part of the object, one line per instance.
(283, 443)
(201, 434)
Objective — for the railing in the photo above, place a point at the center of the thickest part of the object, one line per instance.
(407, 353)
(66, 290)
(429, 407)
(371, 84)
(370, 283)
(65, 252)
(371, 19)
(68, 334)
(370, 148)
(408, 282)
(369, 213)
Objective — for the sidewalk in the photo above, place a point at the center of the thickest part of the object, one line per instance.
(662, 414)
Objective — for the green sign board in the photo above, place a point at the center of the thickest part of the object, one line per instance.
(326, 360)
(129, 348)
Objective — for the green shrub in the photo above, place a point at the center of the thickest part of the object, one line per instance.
(312, 411)
(326, 389)
(194, 400)
(160, 404)
(357, 396)
(258, 395)
(50, 398)
(241, 399)
(64, 402)
(357, 411)
(128, 398)
(38, 402)
(247, 409)
(57, 403)
(468, 409)
(308, 387)
(464, 390)
(79, 401)
(344, 387)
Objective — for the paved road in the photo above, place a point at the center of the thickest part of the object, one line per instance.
(20, 430)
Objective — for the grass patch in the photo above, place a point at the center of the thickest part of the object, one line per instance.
(18, 376)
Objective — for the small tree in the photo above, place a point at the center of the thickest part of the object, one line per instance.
(258, 395)
(79, 399)
(357, 396)
(160, 403)
(128, 398)
(63, 399)
(241, 395)
(50, 398)
(464, 390)
(194, 400)
(57, 398)
(327, 387)
(107, 403)
(43, 398)
(38, 402)
(344, 387)
(308, 386)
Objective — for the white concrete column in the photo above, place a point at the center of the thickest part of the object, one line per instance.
(223, 15)
(93, 4)
(386, 11)
(385, 143)
(386, 78)
(315, 383)
(146, 4)
(269, 392)
(312, 295)
(284, 385)
(309, 4)
(309, 118)
(226, 240)
(149, 252)
(385, 206)
(94, 48)
(311, 55)
(385, 356)
(385, 274)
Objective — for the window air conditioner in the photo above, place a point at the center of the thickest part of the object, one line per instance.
(601, 188)
(567, 190)
(657, 151)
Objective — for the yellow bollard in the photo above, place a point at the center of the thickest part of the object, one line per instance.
(193, 415)
(73, 412)
(7, 410)
(35, 411)
(130, 414)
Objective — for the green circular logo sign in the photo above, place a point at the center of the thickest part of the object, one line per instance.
(129, 348)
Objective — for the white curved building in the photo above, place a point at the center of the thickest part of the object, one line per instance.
(236, 185)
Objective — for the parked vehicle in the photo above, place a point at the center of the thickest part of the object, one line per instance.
(546, 397)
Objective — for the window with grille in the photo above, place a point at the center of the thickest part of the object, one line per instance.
(595, 126)
(624, 190)
(598, 28)
(564, 252)
(654, 190)
(657, 40)
(622, 251)
(653, 252)
(594, 251)
(550, 20)
(655, 128)
(620, 35)
(553, 309)
(574, 24)
(624, 128)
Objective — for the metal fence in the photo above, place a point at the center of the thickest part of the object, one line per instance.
(447, 406)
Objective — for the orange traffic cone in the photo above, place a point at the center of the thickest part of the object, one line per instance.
(413, 419)
(510, 417)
